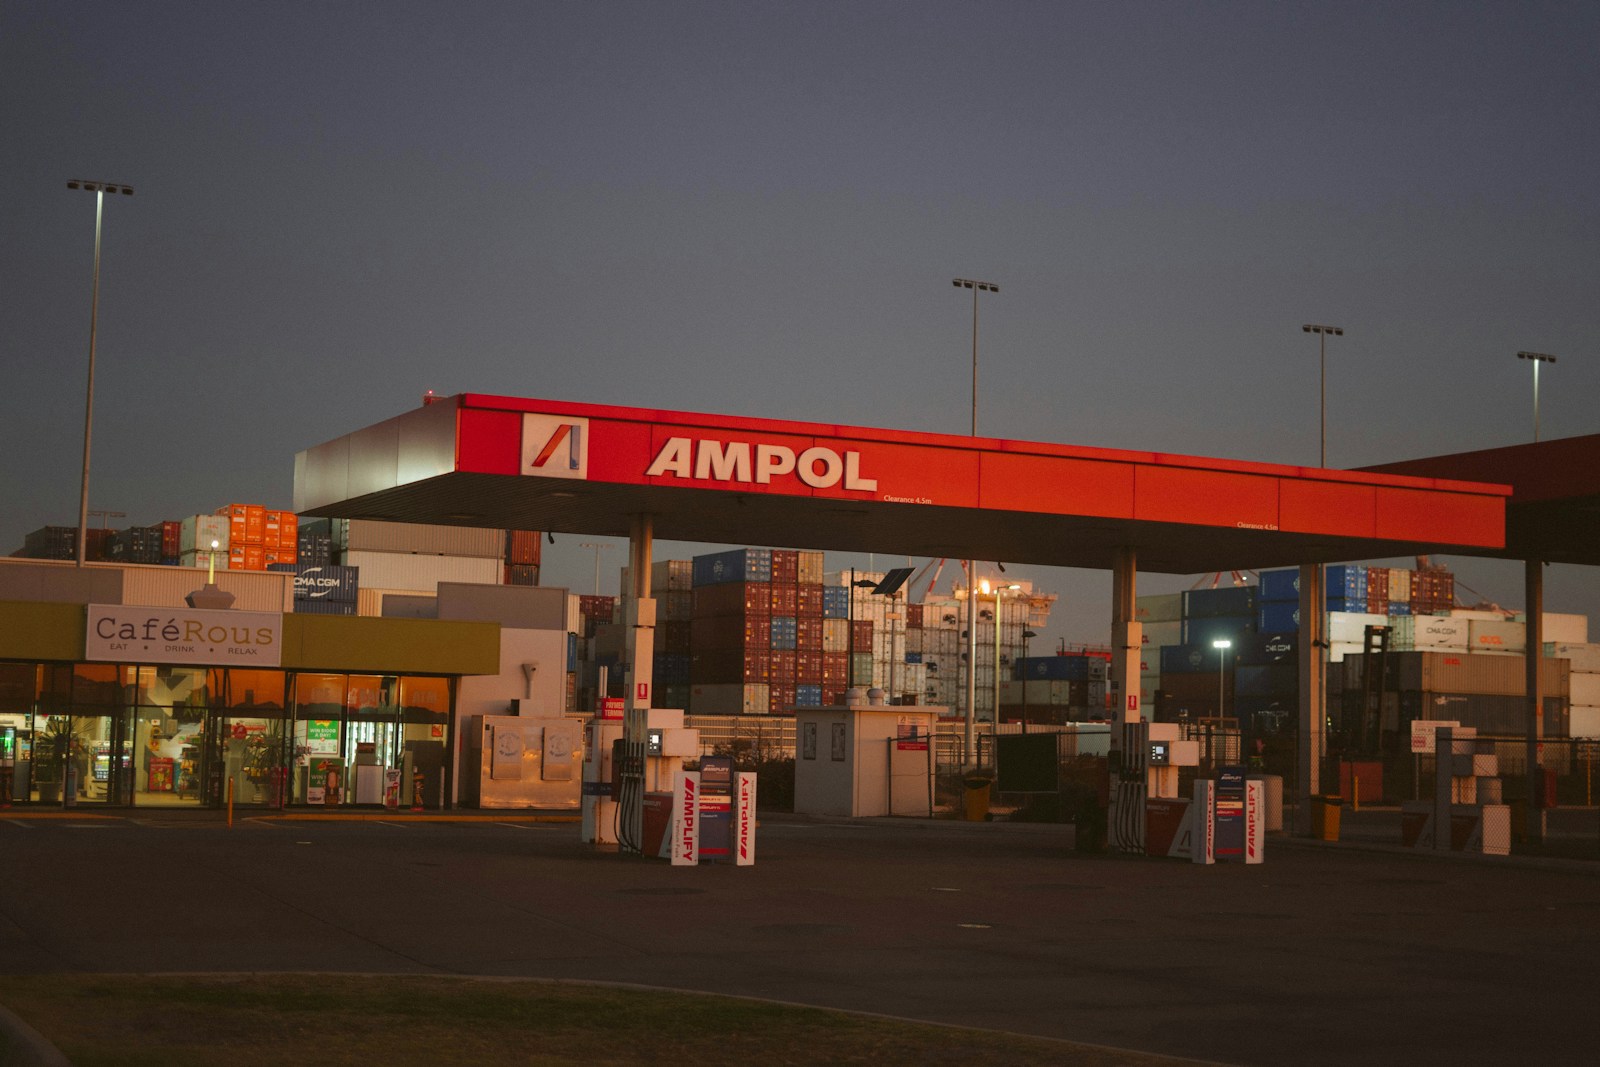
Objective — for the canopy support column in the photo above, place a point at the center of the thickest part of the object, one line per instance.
(1533, 586)
(1313, 655)
(639, 615)
(1129, 751)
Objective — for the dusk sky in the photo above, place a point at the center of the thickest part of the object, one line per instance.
(756, 209)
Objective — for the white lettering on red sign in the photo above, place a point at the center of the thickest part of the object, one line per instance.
(706, 460)
(746, 803)
(642, 693)
(688, 831)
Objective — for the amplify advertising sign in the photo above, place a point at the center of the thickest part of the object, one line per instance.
(131, 634)
(684, 832)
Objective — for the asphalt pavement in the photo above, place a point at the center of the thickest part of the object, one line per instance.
(1325, 954)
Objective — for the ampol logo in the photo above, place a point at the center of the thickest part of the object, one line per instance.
(554, 446)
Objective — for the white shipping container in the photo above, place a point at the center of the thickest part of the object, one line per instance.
(408, 572)
(368, 535)
(1585, 721)
(1496, 636)
(1585, 688)
(1424, 632)
(1338, 650)
(198, 531)
(1584, 656)
(1349, 627)
(1478, 616)
(1562, 629)
(1166, 607)
(1157, 634)
(202, 560)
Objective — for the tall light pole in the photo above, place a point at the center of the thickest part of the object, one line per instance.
(998, 592)
(972, 625)
(599, 548)
(99, 189)
(1221, 644)
(1536, 358)
(1322, 333)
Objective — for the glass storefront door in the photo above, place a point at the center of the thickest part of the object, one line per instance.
(247, 760)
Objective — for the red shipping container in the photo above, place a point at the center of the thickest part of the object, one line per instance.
(808, 668)
(718, 633)
(808, 601)
(808, 634)
(171, 539)
(781, 698)
(782, 667)
(522, 546)
(861, 635)
(785, 599)
(758, 631)
(913, 616)
(733, 598)
(835, 668)
(785, 566)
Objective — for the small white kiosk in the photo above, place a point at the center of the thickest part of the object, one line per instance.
(864, 757)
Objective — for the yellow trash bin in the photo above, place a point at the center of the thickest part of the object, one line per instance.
(1325, 817)
(975, 797)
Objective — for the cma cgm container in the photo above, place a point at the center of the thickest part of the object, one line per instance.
(333, 584)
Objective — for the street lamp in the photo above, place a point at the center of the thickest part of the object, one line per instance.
(1221, 644)
(972, 630)
(1026, 636)
(99, 189)
(1536, 358)
(998, 592)
(599, 548)
(850, 614)
(1322, 333)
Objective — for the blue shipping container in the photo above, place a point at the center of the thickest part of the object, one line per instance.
(572, 652)
(325, 607)
(784, 632)
(1278, 616)
(735, 565)
(1275, 680)
(1281, 584)
(1233, 628)
(1051, 669)
(1398, 607)
(1214, 603)
(808, 696)
(313, 582)
(1358, 605)
(1345, 581)
(835, 602)
(1267, 649)
(1191, 659)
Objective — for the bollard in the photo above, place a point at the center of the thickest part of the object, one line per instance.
(230, 801)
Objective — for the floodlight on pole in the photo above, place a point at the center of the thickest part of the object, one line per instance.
(1222, 645)
(1536, 358)
(1322, 333)
(972, 630)
(99, 189)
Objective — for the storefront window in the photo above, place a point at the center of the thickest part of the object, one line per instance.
(256, 691)
(96, 684)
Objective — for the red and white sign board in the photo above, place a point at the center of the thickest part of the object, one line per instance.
(1255, 820)
(1422, 733)
(682, 843)
(612, 708)
(744, 818)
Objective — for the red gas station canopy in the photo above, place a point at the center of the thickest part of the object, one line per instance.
(477, 460)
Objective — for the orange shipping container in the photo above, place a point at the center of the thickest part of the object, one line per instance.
(270, 539)
(280, 555)
(288, 531)
(255, 530)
